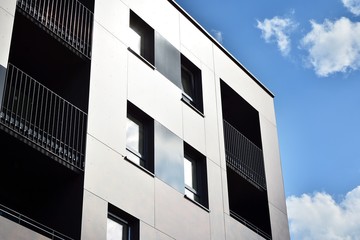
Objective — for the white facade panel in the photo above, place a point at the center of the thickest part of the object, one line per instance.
(279, 224)
(107, 102)
(117, 181)
(113, 15)
(6, 26)
(211, 112)
(194, 128)
(272, 164)
(9, 6)
(154, 94)
(196, 43)
(94, 217)
(177, 216)
(10, 230)
(216, 201)
(235, 230)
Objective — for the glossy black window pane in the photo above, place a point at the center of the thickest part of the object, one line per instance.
(169, 163)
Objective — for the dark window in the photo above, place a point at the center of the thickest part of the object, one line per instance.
(195, 177)
(140, 137)
(191, 84)
(121, 225)
(141, 38)
(247, 194)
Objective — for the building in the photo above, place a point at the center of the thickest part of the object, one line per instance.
(125, 119)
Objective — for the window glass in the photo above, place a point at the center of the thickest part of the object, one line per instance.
(135, 139)
(135, 41)
(116, 230)
(190, 172)
(191, 84)
(187, 80)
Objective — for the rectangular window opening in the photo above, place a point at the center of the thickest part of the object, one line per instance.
(140, 138)
(191, 84)
(141, 38)
(121, 225)
(195, 176)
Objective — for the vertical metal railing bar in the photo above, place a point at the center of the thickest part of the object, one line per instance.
(14, 95)
(86, 39)
(77, 141)
(70, 134)
(73, 138)
(83, 135)
(52, 20)
(40, 115)
(17, 94)
(74, 23)
(56, 21)
(88, 30)
(9, 92)
(49, 134)
(23, 115)
(53, 134)
(62, 7)
(81, 30)
(43, 138)
(27, 105)
(78, 19)
(61, 130)
(43, 11)
(70, 21)
(47, 13)
(32, 107)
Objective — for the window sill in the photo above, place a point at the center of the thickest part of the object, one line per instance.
(184, 100)
(140, 167)
(196, 203)
(142, 58)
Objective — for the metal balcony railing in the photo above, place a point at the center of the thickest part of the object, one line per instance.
(31, 224)
(69, 20)
(244, 157)
(44, 118)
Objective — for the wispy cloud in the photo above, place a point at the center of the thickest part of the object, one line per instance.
(333, 46)
(319, 216)
(278, 30)
(353, 6)
(218, 35)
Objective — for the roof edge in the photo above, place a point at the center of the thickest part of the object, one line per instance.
(222, 48)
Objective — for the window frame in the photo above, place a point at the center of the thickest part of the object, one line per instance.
(146, 158)
(147, 38)
(199, 188)
(125, 219)
(190, 69)
(126, 229)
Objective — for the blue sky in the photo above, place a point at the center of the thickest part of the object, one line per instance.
(308, 54)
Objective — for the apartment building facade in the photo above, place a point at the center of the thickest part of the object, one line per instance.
(125, 119)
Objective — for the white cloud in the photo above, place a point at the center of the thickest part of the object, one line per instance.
(218, 35)
(318, 216)
(278, 29)
(353, 6)
(333, 46)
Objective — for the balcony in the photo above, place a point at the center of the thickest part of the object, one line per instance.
(66, 20)
(244, 157)
(43, 119)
